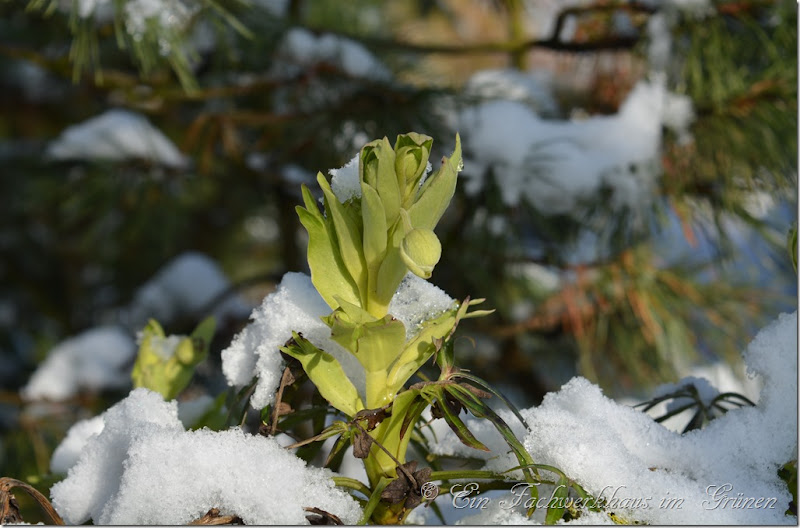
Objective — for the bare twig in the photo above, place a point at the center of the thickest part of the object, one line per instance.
(9, 510)
(212, 517)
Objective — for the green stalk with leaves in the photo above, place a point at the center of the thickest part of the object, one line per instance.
(359, 251)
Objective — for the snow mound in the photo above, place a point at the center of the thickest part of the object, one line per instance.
(143, 468)
(185, 285)
(725, 473)
(94, 360)
(345, 182)
(116, 135)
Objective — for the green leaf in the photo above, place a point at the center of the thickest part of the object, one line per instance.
(412, 151)
(558, 501)
(376, 343)
(375, 244)
(328, 273)
(459, 428)
(420, 349)
(326, 373)
(376, 168)
(436, 192)
(347, 223)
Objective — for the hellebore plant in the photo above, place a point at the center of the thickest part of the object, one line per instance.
(359, 251)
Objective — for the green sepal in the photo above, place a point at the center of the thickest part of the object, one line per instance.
(326, 373)
(328, 273)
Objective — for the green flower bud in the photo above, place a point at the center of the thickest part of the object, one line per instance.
(421, 251)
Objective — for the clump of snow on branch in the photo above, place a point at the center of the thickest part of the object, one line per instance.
(140, 15)
(143, 468)
(187, 284)
(297, 306)
(94, 360)
(116, 135)
(301, 49)
(557, 166)
(611, 448)
(530, 88)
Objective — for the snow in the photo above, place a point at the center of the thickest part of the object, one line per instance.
(416, 301)
(66, 454)
(143, 468)
(297, 306)
(557, 166)
(140, 15)
(607, 447)
(116, 135)
(96, 359)
(101, 10)
(185, 285)
(705, 391)
(68, 451)
(301, 49)
(164, 347)
(345, 182)
(531, 88)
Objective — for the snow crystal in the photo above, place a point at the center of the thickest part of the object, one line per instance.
(116, 135)
(294, 306)
(345, 182)
(615, 451)
(185, 285)
(301, 49)
(417, 300)
(143, 468)
(94, 360)
(558, 165)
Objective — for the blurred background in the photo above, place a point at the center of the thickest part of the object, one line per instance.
(630, 180)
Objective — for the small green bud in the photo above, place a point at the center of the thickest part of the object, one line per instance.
(421, 251)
